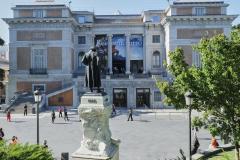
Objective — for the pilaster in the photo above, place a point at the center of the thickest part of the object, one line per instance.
(128, 54)
(110, 53)
(144, 54)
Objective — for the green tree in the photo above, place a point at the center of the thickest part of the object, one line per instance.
(236, 26)
(216, 85)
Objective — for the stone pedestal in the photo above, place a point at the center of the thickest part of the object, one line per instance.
(97, 144)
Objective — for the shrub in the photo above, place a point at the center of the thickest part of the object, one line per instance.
(24, 152)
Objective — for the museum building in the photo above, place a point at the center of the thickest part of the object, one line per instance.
(47, 43)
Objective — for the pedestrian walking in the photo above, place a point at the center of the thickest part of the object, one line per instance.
(60, 112)
(113, 110)
(53, 116)
(65, 114)
(130, 112)
(25, 110)
(45, 144)
(1, 134)
(8, 116)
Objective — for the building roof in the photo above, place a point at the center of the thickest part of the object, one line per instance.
(196, 1)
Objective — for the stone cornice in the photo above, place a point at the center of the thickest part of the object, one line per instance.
(119, 24)
(38, 20)
(198, 18)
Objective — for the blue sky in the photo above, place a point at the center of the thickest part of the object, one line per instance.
(102, 7)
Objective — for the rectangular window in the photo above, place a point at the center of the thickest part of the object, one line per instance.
(199, 11)
(81, 19)
(196, 59)
(38, 13)
(40, 87)
(81, 40)
(39, 59)
(156, 39)
(157, 96)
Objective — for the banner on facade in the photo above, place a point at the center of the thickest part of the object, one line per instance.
(136, 47)
(119, 47)
(101, 42)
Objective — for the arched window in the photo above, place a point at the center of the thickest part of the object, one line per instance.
(156, 60)
(80, 56)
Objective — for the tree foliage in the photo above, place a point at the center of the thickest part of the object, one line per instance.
(23, 152)
(216, 84)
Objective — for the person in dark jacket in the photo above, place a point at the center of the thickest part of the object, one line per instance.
(65, 114)
(1, 134)
(53, 116)
(130, 112)
(25, 110)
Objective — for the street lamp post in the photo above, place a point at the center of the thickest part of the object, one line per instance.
(189, 100)
(37, 98)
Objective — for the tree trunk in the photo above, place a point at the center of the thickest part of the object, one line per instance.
(237, 156)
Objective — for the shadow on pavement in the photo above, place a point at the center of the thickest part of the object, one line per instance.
(61, 123)
(143, 120)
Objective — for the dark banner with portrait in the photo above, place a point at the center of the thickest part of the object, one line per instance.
(136, 47)
(101, 42)
(119, 47)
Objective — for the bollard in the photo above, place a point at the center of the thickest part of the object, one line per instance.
(64, 156)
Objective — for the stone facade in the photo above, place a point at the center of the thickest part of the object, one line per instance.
(47, 43)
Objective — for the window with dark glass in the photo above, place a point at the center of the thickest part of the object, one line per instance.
(81, 40)
(156, 39)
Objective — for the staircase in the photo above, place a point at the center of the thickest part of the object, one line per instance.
(18, 105)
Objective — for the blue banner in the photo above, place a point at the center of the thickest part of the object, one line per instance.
(119, 47)
(136, 47)
(101, 43)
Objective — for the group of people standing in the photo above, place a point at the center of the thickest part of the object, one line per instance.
(61, 111)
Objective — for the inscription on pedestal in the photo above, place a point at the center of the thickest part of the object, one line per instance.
(92, 101)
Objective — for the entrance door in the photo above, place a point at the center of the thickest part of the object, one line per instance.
(143, 97)
(120, 97)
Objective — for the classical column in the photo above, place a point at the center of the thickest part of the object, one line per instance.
(128, 54)
(110, 53)
(144, 54)
(92, 40)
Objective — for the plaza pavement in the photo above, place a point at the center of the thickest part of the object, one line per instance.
(153, 135)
